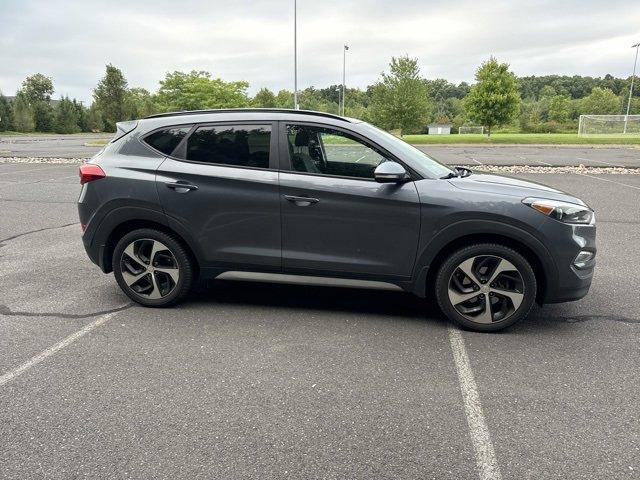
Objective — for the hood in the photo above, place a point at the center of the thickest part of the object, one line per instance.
(489, 183)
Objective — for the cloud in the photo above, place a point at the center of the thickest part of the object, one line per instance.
(71, 41)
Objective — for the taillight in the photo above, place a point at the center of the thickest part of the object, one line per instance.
(90, 172)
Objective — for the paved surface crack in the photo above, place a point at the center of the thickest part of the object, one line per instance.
(4, 310)
(587, 318)
(34, 231)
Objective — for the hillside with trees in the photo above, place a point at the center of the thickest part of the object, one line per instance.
(402, 99)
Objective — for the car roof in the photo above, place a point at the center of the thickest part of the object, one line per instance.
(248, 114)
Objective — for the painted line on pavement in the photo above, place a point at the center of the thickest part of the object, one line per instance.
(486, 461)
(600, 161)
(30, 170)
(19, 370)
(611, 181)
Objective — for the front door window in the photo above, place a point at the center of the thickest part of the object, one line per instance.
(325, 151)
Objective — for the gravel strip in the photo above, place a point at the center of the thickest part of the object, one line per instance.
(51, 160)
(514, 169)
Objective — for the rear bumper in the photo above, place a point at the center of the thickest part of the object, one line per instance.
(95, 253)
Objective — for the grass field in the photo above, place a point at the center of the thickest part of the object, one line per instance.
(10, 133)
(524, 138)
(472, 139)
(496, 139)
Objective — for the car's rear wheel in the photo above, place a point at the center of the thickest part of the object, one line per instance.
(486, 287)
(152, 268)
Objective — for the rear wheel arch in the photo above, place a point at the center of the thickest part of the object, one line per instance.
(127, 226)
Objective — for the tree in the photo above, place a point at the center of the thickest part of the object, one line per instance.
(400, 100)
(22, 114)
(6, 114)
(265, 98)
(94, 119)
(284, 99)
(601, 101)
(66, 116)
(82, 114)
(37, 88)
(140, 103)
(197, 90)
(110, 97)
(43, 116)
(559, 108)
(494, 100)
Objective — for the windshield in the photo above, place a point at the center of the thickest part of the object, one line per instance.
(410, 153)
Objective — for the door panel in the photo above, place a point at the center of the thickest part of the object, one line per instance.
(233, 213)
(349, 226)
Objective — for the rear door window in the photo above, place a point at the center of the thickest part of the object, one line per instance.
(233, 145)
(167, 139)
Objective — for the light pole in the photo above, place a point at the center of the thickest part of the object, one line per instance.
(344, 65)
(633, 76)
(295, 55)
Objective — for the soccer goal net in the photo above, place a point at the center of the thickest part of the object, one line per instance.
(609, 125)
(470, 129)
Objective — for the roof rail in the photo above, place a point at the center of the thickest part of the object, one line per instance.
(256, 110)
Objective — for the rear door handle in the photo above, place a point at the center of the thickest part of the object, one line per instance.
(181, 187)
(301, 201)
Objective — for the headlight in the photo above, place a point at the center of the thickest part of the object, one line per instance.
(563, 211)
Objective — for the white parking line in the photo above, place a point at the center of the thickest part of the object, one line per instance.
(486, 461)
(600, 161)
(30, 170)
(610, 181)
(19, 370)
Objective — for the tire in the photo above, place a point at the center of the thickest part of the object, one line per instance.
(485, 276)
(153, 268)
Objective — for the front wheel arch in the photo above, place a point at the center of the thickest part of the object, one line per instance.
(542, 272)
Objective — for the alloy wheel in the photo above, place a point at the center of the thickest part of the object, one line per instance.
(149, 268)
(486, 289)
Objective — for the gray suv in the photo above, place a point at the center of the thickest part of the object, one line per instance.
(299, 196)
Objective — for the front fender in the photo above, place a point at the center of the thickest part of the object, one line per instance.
(464, 228)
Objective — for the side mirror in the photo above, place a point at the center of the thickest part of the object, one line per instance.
(390, 172)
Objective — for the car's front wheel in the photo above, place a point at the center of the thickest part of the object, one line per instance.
(152, 268)
(486, 287)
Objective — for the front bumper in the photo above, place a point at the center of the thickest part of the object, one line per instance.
(566, 242)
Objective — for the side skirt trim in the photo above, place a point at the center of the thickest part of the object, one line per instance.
(306, 280)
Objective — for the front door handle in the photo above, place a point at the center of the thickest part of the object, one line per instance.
(301, 201)
(181, 187)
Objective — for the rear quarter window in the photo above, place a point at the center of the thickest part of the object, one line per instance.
(167, 139)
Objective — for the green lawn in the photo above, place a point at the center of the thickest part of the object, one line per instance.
(10, 133)
(525, 138)
(496, 138)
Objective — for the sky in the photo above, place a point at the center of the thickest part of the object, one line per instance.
(72, 41)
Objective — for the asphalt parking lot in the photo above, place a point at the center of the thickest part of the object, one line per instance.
(276, 381)
(80, 146)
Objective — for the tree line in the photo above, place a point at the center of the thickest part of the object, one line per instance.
(402, 100)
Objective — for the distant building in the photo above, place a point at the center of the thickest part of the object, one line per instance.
(440, 129)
